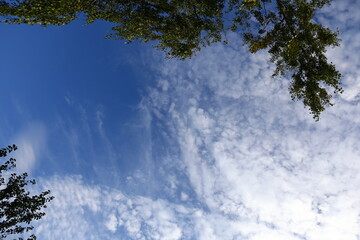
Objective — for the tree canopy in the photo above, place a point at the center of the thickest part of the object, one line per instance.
(286, 28)
(17, 207)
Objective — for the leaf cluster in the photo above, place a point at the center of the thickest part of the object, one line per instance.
(17, 207)
(297, 45)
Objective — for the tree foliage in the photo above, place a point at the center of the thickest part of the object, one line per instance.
(17, 207)
(286, 28)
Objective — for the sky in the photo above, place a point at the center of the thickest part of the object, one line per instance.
(136, 146)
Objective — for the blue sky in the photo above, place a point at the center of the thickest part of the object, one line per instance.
(134, 146)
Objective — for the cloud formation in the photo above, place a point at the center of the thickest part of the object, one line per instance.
(252, 155)
(83, 211)
(237, 159)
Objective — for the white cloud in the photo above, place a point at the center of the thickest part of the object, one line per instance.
(184, 196)
(83, 211)
(30, 141)
(112, 223)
